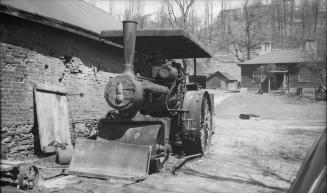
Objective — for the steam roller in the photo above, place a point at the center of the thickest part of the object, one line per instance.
(152, 117)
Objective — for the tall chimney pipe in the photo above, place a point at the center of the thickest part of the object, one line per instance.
(129, 32)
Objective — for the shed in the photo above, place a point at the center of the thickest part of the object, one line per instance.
(221, 80)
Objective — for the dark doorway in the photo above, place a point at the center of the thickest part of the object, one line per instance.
(277, 81)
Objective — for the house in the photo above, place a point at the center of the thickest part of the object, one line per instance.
(221, 80)
(279, 71)
(61, 43)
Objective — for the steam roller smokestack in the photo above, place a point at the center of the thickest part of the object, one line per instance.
(129, 32)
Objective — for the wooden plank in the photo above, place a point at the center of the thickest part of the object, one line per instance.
(51, 88)
(52, 116)
(7, 165)
(11, 162)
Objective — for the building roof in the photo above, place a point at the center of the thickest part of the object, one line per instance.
(224, 74)
(228, 76)
(76, 13)
(281, 57)
(171, 43)
(82, 18)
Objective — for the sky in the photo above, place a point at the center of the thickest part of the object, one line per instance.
(152, 6)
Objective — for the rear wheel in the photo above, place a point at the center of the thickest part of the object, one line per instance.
(198, 139)
(205, 131)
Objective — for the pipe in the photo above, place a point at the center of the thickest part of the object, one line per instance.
(129, 32)
(156, 89)
(194, 66)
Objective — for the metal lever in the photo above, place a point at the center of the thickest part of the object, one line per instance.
(184, 160)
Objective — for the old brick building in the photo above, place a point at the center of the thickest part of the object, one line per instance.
(58, 43)
(74, 46)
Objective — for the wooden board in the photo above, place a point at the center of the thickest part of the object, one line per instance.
(52, 115)
(7, 165)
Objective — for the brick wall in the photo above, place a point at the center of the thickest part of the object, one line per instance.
(32, 53)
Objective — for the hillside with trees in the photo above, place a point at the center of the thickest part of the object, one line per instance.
(235, 34)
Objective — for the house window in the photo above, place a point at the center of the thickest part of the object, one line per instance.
(256, 78)
(305, 76)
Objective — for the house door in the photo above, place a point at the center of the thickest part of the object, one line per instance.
(278, 81)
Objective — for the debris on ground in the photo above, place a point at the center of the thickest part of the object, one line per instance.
(59, 183)
(249, 116)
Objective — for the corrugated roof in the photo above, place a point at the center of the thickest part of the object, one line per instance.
(280, 56)
(171, 43)
(74, 12)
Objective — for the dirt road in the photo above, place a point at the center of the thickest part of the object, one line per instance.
(260, 155)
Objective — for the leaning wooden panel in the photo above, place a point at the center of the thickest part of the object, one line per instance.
(52, 116)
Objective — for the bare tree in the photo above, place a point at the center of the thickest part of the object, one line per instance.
(315, 11)
(134, 10)
(222, 18)
(185, 8)
(248, 39)
(181, 14)
(162, 17)
(111, 7)
(291, 21)
(208, 20)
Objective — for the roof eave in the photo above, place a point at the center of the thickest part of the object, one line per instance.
(6, 9)
(114, 35)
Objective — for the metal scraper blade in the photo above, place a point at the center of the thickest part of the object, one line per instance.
(106, 159)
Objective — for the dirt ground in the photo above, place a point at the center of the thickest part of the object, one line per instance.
(257, 155)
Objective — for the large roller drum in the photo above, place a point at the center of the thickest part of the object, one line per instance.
(199, 113)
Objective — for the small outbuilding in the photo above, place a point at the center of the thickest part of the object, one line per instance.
(221, 80)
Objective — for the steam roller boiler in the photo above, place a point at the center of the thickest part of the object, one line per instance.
(151, 117)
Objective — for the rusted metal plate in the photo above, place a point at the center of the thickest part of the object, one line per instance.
(105, 159)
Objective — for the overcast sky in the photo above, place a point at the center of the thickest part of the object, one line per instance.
(152, 6)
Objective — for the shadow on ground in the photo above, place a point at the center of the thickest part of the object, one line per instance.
(253, 182)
